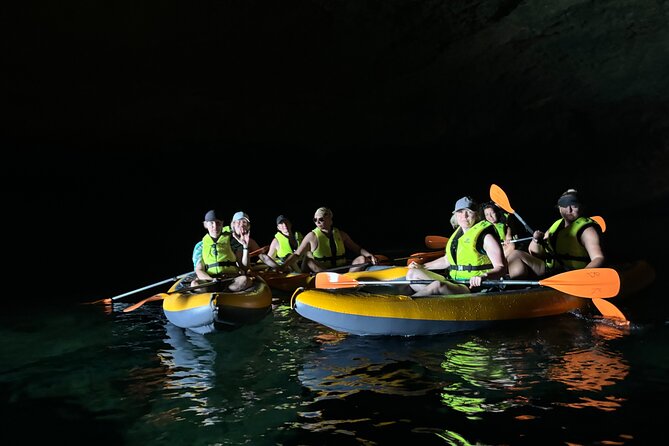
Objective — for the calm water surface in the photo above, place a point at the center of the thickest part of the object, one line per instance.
(91, 374)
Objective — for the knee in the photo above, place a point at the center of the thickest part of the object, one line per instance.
(411, 273)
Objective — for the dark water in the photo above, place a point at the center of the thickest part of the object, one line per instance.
(91, 374)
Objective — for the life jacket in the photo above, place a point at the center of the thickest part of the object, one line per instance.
(218, 256)
(465, 253)
(324, 252)
(285, 249)
(564, 248)
(501, 230)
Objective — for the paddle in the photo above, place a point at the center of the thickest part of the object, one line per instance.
(261, 250)
(499, 197)
(610, 311)
(383, 260)
(380, 259)
(435, 241)
(589, 283)
(599, 220)
(109, 300)
(162, 296)
(422, 257)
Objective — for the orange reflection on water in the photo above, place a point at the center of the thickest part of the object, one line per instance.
(609, 330)
(590, 370)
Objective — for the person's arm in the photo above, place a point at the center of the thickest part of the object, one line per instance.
(354, 247)
(493, 249)
(438, 263)
(243, 260)
(273, 248)
(508, 244)
(508, 236)
(201, 271)
(536, 244)
(591, 243)
(306, 246)
(269, 261)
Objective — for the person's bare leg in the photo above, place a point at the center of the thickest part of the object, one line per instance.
(240, 283)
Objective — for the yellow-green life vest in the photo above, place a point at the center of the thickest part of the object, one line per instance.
(501, 230)
(465, 253)
(218, 256)
(564, 249)
(285, 249)
(324, 254)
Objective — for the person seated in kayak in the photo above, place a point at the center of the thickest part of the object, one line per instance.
(494, 215)
(572, 242)
(242, 242)
(285, 242)
(473, 252)
(325, 247)
(241, 236)
(217, 259)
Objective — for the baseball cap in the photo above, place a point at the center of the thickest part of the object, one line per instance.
(281, 218)
(211, 216)
(239, 215)
(569, 198)
(464, 203)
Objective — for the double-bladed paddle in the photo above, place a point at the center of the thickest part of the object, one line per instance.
(589, 283)
(161, 296)
(599, 220)
(109, 300)
(499, 197)
(606, 308)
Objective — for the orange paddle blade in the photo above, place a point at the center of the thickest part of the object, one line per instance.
(609, 310)
(334, 281)
(435, 241)
(422, 257)
(160, 296)
(499, 196)
(100, 301)
(587, 282)
(600, 221)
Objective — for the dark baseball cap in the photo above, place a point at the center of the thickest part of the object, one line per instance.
(211, 215)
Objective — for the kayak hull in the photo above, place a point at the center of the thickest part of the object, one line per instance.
(208, 312)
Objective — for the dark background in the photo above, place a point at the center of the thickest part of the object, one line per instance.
(127, 121)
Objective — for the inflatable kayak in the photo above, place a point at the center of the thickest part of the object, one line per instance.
(205, 312)
(389, 310)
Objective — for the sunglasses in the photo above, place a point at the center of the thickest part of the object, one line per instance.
(319, 219)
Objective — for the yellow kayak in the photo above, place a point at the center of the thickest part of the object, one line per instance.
(205, 312)
(389, 310)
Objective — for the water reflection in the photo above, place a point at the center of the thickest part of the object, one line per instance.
(522, 373)
(346, 365)
(488, 375)
(190, 370)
